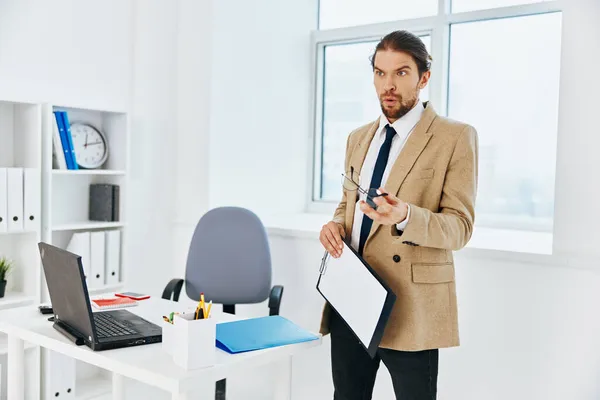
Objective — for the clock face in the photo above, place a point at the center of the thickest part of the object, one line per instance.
(90, 146)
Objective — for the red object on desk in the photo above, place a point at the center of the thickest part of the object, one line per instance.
(104, 304)
(133, 296)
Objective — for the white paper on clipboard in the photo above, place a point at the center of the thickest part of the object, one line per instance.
(355, 291)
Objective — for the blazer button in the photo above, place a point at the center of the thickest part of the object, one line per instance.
(396, 258)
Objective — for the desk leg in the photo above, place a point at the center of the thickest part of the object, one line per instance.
(16, 368)
(118, 386)
(180, 396)
(283, 384)
(205, 390)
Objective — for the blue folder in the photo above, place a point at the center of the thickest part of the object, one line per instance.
(260, 333)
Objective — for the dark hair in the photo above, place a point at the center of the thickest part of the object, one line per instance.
(408, 43)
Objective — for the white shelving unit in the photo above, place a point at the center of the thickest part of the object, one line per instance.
(94, 386)
(66, 192)
(66, 210)
(21, 147)
(26, 140)
(87, 172)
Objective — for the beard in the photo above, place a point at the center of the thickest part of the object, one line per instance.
(400, 108)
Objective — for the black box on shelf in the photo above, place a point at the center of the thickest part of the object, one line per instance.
(104, 202)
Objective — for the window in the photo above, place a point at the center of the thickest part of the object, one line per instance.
(471, 5)
(505, 82)
(496, 70)
(343, 13)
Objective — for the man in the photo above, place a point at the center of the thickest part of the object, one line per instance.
(427, 165)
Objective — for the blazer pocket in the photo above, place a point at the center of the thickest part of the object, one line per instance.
(432, 272)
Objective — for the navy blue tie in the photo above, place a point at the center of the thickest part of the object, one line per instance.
(382, 159)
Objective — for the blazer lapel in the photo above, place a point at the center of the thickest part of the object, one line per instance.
(356, 161)
(412, 149)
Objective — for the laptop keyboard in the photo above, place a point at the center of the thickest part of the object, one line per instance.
(106, 326)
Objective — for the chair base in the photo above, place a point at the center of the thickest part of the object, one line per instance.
(222, 384)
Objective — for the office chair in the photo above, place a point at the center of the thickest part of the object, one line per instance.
(229, 260)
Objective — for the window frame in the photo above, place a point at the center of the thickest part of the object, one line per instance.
(438, 28)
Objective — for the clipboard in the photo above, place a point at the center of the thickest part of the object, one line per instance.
(358, 294)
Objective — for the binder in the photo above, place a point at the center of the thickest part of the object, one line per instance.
(59, 152)
(104, 202)
(15, 199)
(113, 257)
(260, 333)
(32, 199)
(60, 376)
(80, 245)
(67, 126)
(3, 201)
(63, 138)
(97, 259)
(357, 293)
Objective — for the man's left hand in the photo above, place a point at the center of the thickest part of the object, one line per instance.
(390, 209)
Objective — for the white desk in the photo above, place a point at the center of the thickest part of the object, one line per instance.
(147, 363)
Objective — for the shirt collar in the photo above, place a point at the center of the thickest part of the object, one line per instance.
(404, 125)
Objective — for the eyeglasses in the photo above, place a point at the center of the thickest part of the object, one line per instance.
(350, 182)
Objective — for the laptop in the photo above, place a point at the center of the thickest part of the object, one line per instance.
(72, 310)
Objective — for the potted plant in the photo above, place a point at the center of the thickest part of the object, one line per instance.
(5, 268)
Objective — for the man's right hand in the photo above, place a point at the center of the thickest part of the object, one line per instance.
(331, 238)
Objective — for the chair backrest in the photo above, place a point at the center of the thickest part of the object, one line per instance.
(229, 258)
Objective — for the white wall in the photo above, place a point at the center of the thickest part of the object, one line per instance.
(246, 64)
(194, 44)
(62, 51)
(260, 103)
(153, 145)
(576, 190)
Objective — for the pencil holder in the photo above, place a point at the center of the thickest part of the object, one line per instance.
(190, 342)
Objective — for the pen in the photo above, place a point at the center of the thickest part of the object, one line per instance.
(203, 303)
(208, 311)
(199, 307)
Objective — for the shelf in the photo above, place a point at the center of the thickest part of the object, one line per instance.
(87, 225)
(17, 233)
(85, 172)
(91, 388)
(15, 299)
(4, 345)
(106, 289)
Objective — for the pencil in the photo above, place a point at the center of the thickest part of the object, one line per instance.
(203, 303)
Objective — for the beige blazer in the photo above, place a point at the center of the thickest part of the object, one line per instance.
(436, 173)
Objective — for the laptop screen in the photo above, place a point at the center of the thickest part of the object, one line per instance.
(67, 288)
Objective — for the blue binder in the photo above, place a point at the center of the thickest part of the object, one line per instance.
(63, 139)
(67, 126)
(260, 333)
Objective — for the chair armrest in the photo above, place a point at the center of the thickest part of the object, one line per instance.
(275, 299)
(173, 288)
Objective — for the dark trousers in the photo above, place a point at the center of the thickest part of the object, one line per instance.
(414, 374)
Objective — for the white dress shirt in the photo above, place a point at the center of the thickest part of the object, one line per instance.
(404, 126)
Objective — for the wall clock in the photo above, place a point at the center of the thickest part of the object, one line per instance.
(90, 145)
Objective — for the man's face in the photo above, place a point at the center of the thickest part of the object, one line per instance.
(396, 79)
